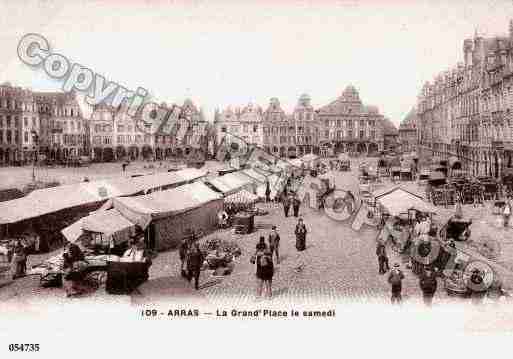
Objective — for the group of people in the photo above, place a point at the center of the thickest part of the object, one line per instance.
(191, 259)
(290, 200)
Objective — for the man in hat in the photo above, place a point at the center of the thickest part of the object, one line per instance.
(428, 285)
(381, 253)
(395, 279)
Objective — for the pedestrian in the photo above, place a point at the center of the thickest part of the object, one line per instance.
(382, 257)
(300, 235)
(395, 279)
(295, 204)
(274, 244)
(182, 252)
(286, 205)
(267, 192)
(256, 259)
(194, 263)
(19, 260)
(267, 272)
(506, 214)
(428, 285)
(261, 245)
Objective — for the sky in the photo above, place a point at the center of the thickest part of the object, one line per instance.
(221, 53)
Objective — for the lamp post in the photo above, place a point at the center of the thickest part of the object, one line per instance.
(35, 138)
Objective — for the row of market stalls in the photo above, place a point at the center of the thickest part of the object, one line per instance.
(44, 213)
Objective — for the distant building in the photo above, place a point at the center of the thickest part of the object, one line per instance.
(390, 135)
(47, 123)
(468, 111)
(408, 132)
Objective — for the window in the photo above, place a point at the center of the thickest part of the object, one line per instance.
(25, 137)
(1, 121)
(350, 123)
(16, 122)
(25, 122)
(121, 128)
(255, 128)
(1, 136)
(339, 123)
(245, 128)
(138, 139)
(350, 134)
(34, 124)
(223, 129)
(373, 134)
(120, 139)
(8, 136)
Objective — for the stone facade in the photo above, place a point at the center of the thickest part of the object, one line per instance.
(408, 132)
(46, 123)
(116, 136)
(467, 111)
(341, 126)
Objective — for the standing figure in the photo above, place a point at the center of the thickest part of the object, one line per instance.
(428, 285)
(395, 279)
(286, 204)
(382, 257)
(300, 235)
(194, 263)
(295, 204)
(257, 261)
(19, 261)
(506, 214)
(73, 278)
(267, 272)
(182, 252)
(261, 245)
(274, 244)
(267, 192)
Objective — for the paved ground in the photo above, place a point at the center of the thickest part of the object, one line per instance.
(339, 264)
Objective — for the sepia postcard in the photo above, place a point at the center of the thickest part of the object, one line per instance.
(256, 178)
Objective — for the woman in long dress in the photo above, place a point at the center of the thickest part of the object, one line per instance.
(19, 261)
(300, 243)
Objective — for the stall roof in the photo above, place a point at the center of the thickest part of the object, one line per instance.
(231, 182)
(242, 197)
(50, 200)
(297, 162)
(384, 191)
(257, 175)
(73, 232)
(142, 209)
(107, 222)
(343, 157)
(400, 201)
(10, 194)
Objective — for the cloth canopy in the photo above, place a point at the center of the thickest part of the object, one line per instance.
(242, 196)
(232, 182)
(141, 210)
(296, 162)
(110, 223)
(310, 157)
(54, 199)
(275, 184)
(436, 175)
(107, 222)
(400, 201)
(257, 175)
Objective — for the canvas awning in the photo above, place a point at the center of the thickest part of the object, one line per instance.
(49, 200)
(107, 222)
(232, 182)
(141, 210)
(241, 197)
(257, 175)
(296, 162)
(400, 201)
(310, 157)
(343, 157)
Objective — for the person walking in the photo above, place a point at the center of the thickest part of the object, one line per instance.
(428, 285)
(256, 260)
(286, 204)
(295, 204)
(300, 233)
(274, 244)
(395, 279)
(194, 263)
(506, 213)
(267, 192)
(182, 252)
(261, 245)
(267, 272)
(382, 257)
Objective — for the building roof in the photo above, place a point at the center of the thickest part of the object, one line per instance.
(410, 121)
